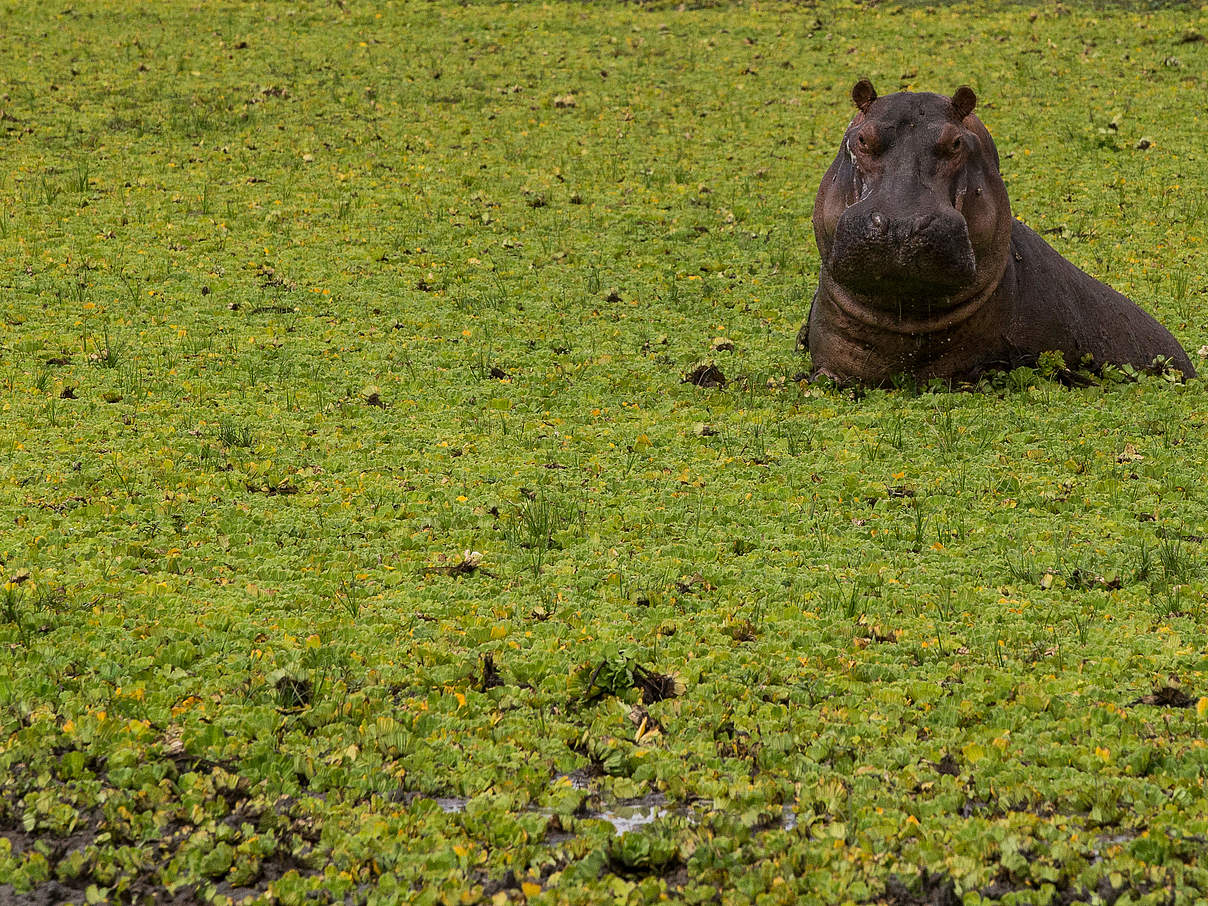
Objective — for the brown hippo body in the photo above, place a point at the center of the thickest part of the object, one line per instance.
(926, 273)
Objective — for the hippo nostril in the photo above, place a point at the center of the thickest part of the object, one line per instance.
(877, 219)
(921, 222)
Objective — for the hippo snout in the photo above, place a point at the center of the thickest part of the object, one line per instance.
(903, 230)
(875, 249)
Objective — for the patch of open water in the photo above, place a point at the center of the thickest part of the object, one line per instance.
(629, 818)
(625, 816)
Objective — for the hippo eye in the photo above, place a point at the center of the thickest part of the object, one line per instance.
(949, 146)
(867, 145)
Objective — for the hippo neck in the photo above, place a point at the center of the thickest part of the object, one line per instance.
(947, 319)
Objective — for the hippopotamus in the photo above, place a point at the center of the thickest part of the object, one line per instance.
(926, 273)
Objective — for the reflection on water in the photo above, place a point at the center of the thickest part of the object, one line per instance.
(628, 818)
(578, 780)
(788, 817)
(624, 818)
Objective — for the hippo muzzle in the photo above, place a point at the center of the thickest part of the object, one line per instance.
(903, 256)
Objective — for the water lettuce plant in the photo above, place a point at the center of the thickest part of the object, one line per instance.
(363, 540)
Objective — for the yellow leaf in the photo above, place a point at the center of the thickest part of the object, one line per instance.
(461, 699)
(1201, 707)
(973, 752)
(530, 889)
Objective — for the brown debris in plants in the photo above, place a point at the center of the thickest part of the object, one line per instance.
(470, 563)
(648, 345)
(1065, 893)
(1163, 532)
(931, 890)
(947, 765)
(687, 583)
(294, 692)
(877, 633)
(1080, 579)
(1129, 454)
(740, 630)
(270, 278)
(655, 686)
(731, 742)
(274, 490)
(705, 374)
(645, 723)
(1166, 697)
(490, 678)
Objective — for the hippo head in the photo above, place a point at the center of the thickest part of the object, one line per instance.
(912, 218)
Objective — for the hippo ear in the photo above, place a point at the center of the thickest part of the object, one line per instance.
(863, 94)
(964, 101)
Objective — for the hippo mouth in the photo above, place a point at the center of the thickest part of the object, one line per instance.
(923, 260)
